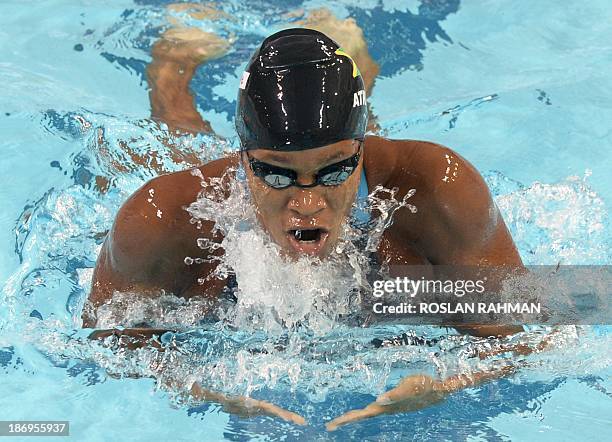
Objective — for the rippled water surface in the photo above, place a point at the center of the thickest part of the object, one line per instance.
(520, 89)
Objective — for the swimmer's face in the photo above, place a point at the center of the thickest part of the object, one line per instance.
(304, 221)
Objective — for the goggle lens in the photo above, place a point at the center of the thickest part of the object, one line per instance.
(280, 178)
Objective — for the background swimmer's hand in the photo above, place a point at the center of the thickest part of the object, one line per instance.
(415, 393)
(183, 42)
(245, 406)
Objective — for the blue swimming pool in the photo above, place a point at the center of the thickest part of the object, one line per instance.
(521, 89)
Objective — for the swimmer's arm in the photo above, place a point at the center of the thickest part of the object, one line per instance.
(465, 226)
(144, 253)
(470, 229)
(244, 406)
(420, 391)
(476, 234)
(134, 338)
(140, 276)
(176, 55)
(415, 393)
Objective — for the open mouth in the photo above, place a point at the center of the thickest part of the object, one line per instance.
(307, 241)
(307, 235)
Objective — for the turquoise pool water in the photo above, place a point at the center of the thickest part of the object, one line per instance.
(522, 90)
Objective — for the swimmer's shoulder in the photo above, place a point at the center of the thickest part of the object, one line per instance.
(163, 199)
(428, 167)
(152, 234)
(454, 205)
(154, 220)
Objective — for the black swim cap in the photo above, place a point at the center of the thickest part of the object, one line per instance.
(300, 91)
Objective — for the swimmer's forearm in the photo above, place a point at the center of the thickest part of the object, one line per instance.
(171, 99)
(483, 331)
(517, 349)
(417, 392)
(132, 338)
(521, 349)
(245, 406)
(420, 391)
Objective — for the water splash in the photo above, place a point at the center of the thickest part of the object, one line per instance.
(565, 222)
(128, 309)
(284, 294)
(291, 327)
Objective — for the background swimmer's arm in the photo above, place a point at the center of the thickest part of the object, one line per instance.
(175, 58)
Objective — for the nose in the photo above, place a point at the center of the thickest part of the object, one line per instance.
(307, 202)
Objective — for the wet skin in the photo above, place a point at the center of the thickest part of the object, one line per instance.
(457, 222)
(324, 208)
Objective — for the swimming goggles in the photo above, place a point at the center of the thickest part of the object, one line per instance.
(281, 178)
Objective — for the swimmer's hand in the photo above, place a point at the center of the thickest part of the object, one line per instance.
(245, 406)
(415, 393)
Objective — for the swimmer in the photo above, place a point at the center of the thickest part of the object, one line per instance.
(302, 117)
